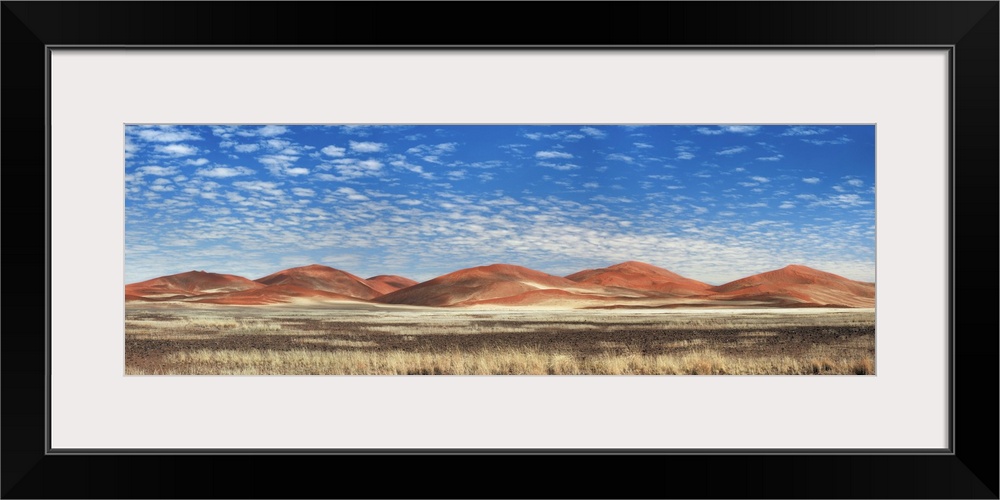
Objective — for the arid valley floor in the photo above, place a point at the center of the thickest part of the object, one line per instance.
(289, 339)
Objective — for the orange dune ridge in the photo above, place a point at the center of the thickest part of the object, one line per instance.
(628, 284)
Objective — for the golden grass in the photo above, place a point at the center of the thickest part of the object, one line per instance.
(222, 341)
(214, 323)
(524, 361)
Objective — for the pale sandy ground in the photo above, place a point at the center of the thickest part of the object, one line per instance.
(309, 306)
(379, 314)
(362, 339)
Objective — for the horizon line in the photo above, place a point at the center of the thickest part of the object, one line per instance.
(493, 264)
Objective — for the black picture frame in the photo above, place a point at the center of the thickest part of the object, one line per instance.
(969, 29)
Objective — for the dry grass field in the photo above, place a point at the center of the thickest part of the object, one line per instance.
(288, 340)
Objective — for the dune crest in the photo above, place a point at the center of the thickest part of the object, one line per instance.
(641, 276)
(323, 278)
(388, 283)
(628, 284)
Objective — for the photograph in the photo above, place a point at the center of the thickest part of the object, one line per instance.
(663, 222)
(499, 249)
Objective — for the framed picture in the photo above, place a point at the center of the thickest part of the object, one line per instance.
(918, 78)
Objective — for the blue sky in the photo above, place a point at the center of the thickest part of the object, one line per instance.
(714, 203)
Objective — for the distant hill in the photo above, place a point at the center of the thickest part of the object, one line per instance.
(628, 284)
(324, 278)
(389, 283)
(795, 284)
(641, 276)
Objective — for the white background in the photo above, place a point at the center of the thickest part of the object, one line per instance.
(95, 406)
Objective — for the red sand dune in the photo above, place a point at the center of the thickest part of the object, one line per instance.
(385, 283)
(327, 279)
(800, 285)
(542, 298)
(273, 294)
(641, 276)
(631, 284)
(477, 284)
(189, 284)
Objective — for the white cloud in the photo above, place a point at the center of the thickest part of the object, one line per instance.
(304, 192)
(351, 194)
(741, 129)
(855, 183)
(176, 150)
(770, 158)
(246, 148)
(270, 188)
(224, 132)
(593, 132)
(167, 135)
(334, 151)
(277, 163)
(559, 166)
(552, 154)
(811, 180)
(131, 148)
(162, 185)
(417, 169)
(562, 135)
(799, 131)
(642, 145)
(197, 163)
(733, 129)
(352, 168)
(841, 201)
(272, 130)
(760, 179)
(685, 155)
(709, 131)
(611, 199)
(223, 172)
(296, 171)
(732, 151)
(786, 205)
(456, 175)
(265, 131)
(817, 142)
(234, 197)
(620, 157)
(436, 150)
(591, 185)
(277, 144)
(157, 170)
(367, 147)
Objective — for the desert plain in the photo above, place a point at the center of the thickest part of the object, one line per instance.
(629, 319)
(297, 340)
